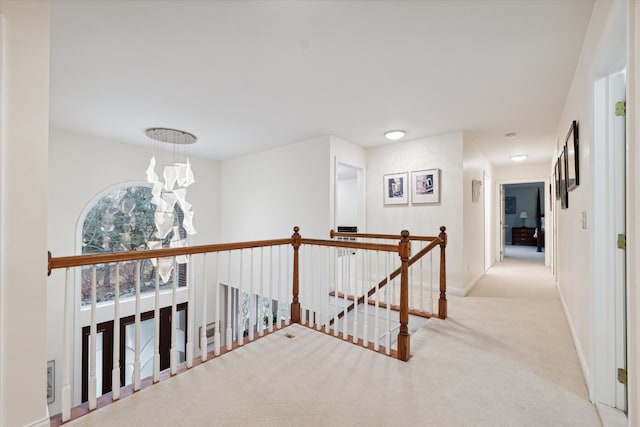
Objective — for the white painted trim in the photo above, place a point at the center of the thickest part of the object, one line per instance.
(576, 343)
(473, 283)
(43, 422)
(456, 291)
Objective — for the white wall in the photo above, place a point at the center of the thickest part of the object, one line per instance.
(264, 195)
(576, 248)
(475, 164)
(81, 169)
(444, 152)
(23, 213)
(347, 202)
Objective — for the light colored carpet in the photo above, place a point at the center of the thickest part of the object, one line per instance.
(504, 357)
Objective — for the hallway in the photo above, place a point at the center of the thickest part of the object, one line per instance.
(504, 357)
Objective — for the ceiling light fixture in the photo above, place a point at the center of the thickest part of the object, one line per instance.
(519, 157)
(171, 136)
(394, 135)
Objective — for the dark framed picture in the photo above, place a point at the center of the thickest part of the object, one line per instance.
(556, 178)
(395, 187)
(564, 193)
(571, 148)
(509, 205)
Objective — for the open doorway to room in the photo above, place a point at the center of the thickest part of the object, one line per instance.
(348, 195)
(524, 221)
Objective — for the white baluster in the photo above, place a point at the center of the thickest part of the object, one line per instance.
(67, 348)
(346, 283)
(189, 352)
(260, 310)
(136, 363)
(115, 373)
(282, 295)
(421, 285)
(271, 294)
(203, 324)
(326, 289)
(174, 319)
(216, 335)
(156, 325)
(388, 274)
(229, 338)
(93, 332)
(302, 290)
(240, 301)
(431, 280)
(252, 299)
(354, 287)
(376, 324)
(289, 273)
(365, 328)
(336, 297)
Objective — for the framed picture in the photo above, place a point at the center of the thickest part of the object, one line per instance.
(564, 194)
(51, 381)
(211, 329)
(571, 148)
(426, 186)
(509, 205)
(556, 178)
(396, 188)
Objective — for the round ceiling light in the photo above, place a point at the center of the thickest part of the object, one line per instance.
(170, 136)
(394, 135)
(519, 157)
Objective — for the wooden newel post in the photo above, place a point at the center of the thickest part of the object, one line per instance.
(442, 302)
(295, 304)
(403, 336)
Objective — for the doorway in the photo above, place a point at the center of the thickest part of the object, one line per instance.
(524, 221)
(349, 209)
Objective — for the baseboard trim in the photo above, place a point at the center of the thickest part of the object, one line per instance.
(44, 422)
(577, 345)
(456, 291)
(473, 283)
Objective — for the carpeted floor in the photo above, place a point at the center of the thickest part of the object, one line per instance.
(504, 357)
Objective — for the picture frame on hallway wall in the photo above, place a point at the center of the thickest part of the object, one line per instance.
(51, 381)
(425, 186)
(556, 178)
(564, 193)
(571, 148)
(395, 187)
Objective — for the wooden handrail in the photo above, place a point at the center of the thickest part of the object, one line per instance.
(80, 260)
(334, 234)
(352, 245)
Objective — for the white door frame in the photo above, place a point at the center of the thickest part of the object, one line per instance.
(609, 273)
(548, 225)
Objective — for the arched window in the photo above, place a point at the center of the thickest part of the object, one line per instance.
(121, 221)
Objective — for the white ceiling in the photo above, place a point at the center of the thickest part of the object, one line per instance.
(248, 75)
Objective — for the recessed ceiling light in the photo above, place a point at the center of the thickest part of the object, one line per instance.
(394, 135)
(170, 136)
(510, 135)
(519, 157)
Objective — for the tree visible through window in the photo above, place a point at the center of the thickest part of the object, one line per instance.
(123, 221)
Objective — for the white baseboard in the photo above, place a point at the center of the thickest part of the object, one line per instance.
(45, 422)
(455, 291)
(577, 345)
(473, 283)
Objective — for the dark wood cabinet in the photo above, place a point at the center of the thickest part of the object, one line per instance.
(523, 236)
